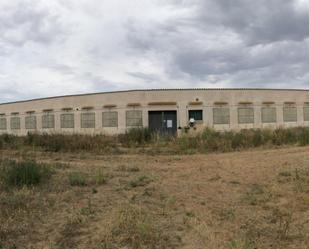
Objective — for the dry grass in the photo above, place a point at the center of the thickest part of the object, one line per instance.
(240, 200)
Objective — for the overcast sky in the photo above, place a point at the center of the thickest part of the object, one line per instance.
(59, 47)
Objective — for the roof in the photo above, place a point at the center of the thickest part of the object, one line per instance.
(163, 89)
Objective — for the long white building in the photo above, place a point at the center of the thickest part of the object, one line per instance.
(165, 110)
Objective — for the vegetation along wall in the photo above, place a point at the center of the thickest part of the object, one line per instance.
(163, 110)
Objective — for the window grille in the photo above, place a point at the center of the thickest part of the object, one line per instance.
(196, 114)
(134, 118)
(306, 113)
(3, 124)
(269, 115)
(221, 115)
(88, 120)
(30, 122)
(15, 123)
(289, 114)
(110, 119)
(245, 115)
(67, 120)
(48, 121)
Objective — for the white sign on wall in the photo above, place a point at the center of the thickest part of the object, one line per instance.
(169, 124)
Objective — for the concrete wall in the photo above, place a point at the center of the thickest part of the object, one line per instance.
(199, 99)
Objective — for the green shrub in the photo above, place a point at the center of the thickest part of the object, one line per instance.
(187, 144)
(207, 141)
(27, 173)
(8, 141)
(77, 179)
(136, 136)
(284, 136)
(99, 178)
(304, 136)
(71, 143)
(140, 181)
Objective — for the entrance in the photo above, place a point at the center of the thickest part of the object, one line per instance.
(163, 122)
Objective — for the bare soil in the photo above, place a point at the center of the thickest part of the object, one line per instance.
(254, 199)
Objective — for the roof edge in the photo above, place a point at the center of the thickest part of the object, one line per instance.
(148, 90)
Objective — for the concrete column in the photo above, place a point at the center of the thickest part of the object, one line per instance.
(122, 119)
(145, 117)
(77, 122)
(300, 115)
(39, 122)
(57, 121)
(98, 121)
(233, 117)
(208, 117)
(257, 115)
(182, 114)
(279, 112)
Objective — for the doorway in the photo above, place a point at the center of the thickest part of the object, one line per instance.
(163, 122)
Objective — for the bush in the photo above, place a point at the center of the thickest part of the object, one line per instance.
(27, 173)
(70, 143)
(140, 181)
(8, 141)
(77, 179)
(207, 141)
(136, 136)
(99, 178)
(304, 137)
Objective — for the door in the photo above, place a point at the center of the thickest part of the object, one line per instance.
(163, 122)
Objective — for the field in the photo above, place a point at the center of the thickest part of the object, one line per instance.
(257, 198)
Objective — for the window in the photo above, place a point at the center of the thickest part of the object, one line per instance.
(88, 120)
(221, 115)
(289, 114)
(30, 122)
(134, 118)
(15, 123)
(48, 120)
(67, 120)
(110, 119)
(3, 125)
(245, 115)
(196, 114)
(306, 113)
(269, 115)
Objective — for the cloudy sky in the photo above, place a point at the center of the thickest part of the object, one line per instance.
(59, 47)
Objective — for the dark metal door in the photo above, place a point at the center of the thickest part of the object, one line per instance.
(163, 122)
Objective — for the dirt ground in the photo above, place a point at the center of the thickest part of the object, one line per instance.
(253, 199)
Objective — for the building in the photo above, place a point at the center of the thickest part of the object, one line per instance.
(166, 110)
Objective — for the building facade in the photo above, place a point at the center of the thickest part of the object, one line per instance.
(166, 110)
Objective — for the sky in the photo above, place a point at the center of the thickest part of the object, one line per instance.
(60, 47)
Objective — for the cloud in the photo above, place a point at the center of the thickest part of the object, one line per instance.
(259, 21)
(240, 43)
(62, 47)
(28, 21)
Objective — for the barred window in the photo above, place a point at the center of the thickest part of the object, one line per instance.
(88, 120)
(67, 120)
(15, 123)
(30, 122)
(3, 125)
(48, 121)
(110, 119)
(245, 115)
(196, 114)
(134, 118)
(289, 114)
(221, 115)
(306, 113)
(269, 115)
